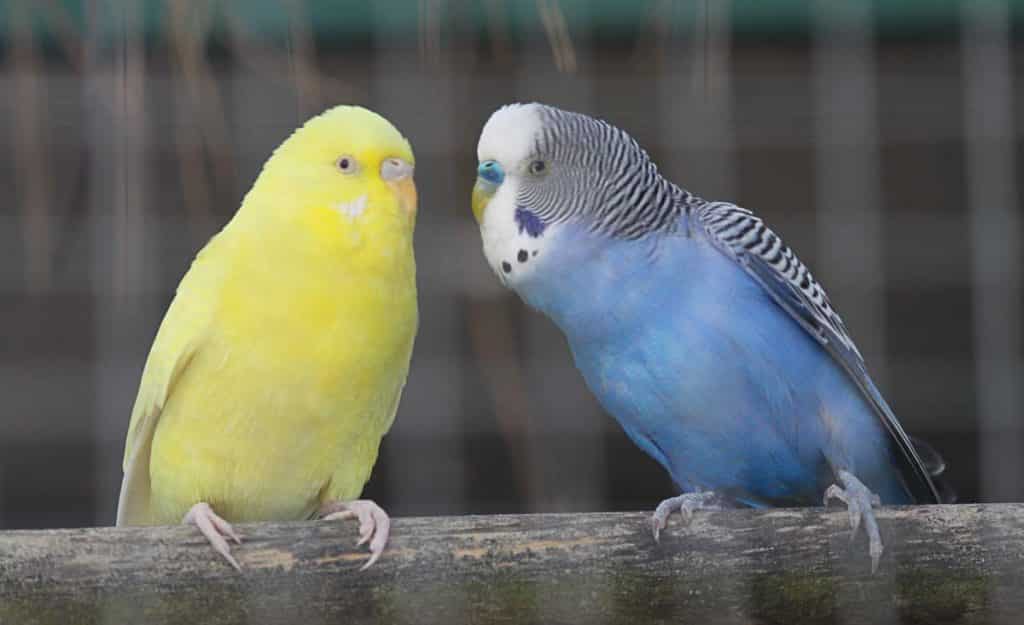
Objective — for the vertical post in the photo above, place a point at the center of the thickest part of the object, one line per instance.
(565, 448)
(429, 414)
(428, 426)
(848, 193)
(696, 115)
(31, 163)
(695, 99)
(995, 245)
(847, 179)
(565, 425)
(116, 134)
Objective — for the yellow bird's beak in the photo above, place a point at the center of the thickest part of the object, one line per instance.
(483, 191)
(398, 176)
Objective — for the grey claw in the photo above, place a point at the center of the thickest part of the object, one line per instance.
(859, 504)
(686, 504)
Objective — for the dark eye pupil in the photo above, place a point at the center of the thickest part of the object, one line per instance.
(343, 163)
(538, 167)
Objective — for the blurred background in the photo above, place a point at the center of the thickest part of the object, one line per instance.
(882, 139)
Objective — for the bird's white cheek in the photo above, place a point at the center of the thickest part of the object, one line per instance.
(512, 253)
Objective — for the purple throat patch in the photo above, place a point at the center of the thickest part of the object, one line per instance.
(529, 222)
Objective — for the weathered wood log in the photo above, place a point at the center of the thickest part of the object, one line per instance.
(942, 564)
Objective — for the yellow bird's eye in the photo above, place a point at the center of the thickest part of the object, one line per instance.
(347, 164)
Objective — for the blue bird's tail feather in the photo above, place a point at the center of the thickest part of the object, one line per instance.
(935, 465)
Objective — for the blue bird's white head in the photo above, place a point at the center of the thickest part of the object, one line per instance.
(544, 172)
(513, 236)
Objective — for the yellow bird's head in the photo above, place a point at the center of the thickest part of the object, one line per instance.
(344, 178)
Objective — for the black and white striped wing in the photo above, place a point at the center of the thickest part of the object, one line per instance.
(740, 234)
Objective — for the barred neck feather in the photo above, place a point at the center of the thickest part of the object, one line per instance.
(606, 180)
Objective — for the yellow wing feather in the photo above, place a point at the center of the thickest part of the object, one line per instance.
(179, 338)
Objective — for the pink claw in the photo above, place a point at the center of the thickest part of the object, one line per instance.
(374, 524)
(214, 528)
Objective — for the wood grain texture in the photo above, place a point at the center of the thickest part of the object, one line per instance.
(942, 564)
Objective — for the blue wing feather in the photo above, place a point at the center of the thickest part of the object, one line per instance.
(740, 235)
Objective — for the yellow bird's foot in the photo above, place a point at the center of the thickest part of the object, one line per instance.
(215, 529)
(374, 523)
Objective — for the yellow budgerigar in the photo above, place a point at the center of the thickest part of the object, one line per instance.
(279, 365)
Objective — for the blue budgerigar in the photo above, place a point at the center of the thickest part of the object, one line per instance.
(696, 327)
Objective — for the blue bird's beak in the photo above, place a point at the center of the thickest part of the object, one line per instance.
(489, 176)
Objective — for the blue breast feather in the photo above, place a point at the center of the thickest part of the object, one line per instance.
(707, 374)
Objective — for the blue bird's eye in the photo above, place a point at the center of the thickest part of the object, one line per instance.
(491, 171)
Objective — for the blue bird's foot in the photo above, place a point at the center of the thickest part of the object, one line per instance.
(859, 503)
(686, 504)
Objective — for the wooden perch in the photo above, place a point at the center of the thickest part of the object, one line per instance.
(942, 564)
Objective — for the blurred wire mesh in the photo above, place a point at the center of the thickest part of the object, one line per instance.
(882, 139)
